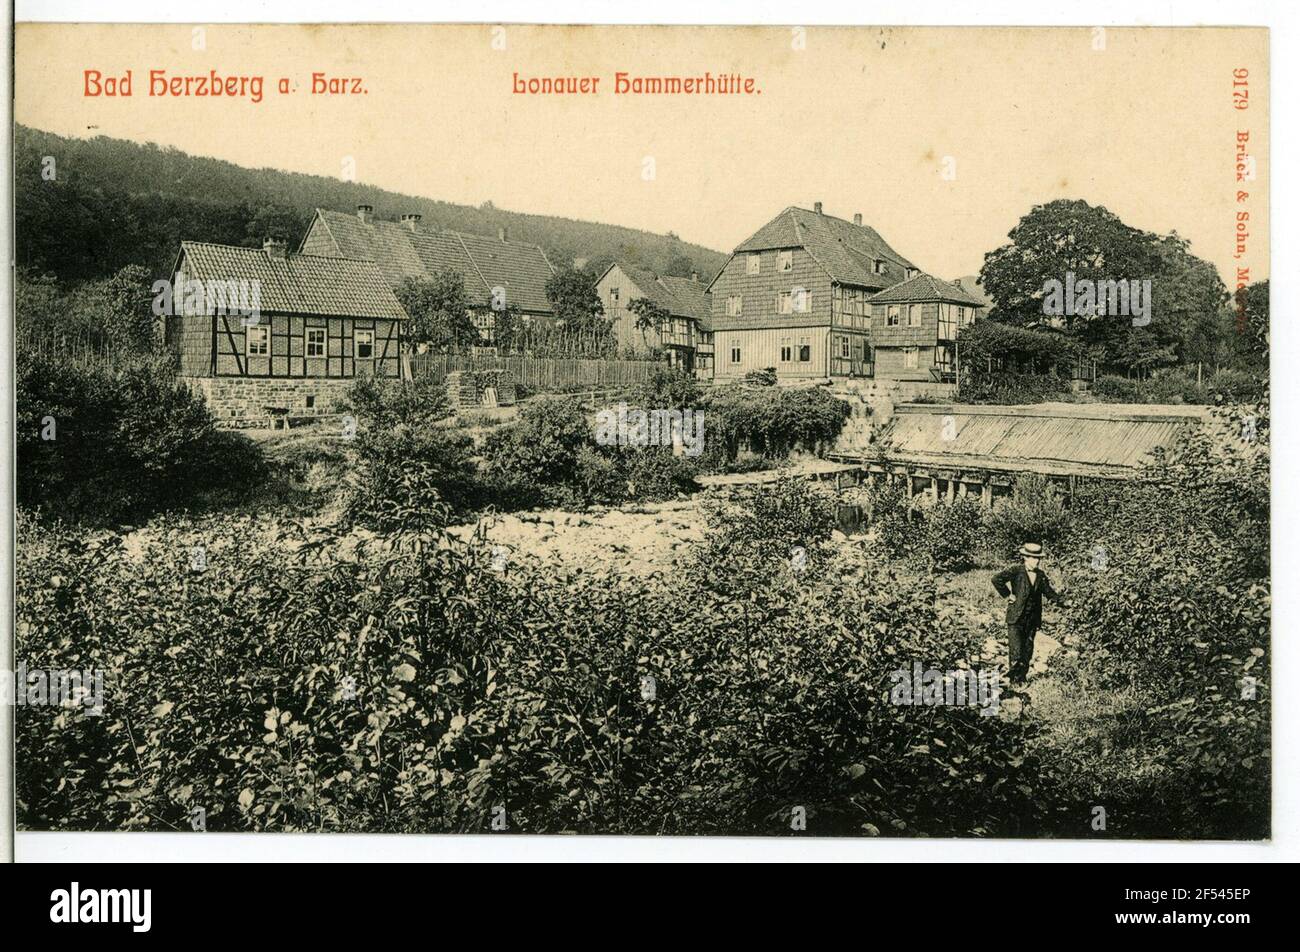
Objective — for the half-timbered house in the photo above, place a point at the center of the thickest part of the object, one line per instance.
(262, 331)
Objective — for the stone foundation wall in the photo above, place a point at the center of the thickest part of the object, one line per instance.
(872, 405)
(242, 401)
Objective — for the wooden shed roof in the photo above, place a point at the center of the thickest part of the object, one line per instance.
(1051, 439)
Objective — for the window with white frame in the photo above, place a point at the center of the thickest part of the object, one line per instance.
(909, 358)
(844, 347)
(785, 261)
(735, 351)
(891, 317)
(259, 341)
(783, 302)
(800, 300)
(365, 344)
(752, 263)
(913, 315)
(733, 305)
(315, 342)
(787, 351)
(805, 350)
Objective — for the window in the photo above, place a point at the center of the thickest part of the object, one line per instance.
(909, 358)
(879, 266)
(783, 302)
(785, 261)
(259, 341)
(892, 319)
(805, 350)
(844, 347)
(365, 344)
(786, 351)
(613, 296)
(733, 305)
(910, 272)
(801, 300)
(735, 351)
(315, 342)
(913, 315)
(752, 264)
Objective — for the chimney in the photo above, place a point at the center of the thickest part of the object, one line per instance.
(365, 212)
(503, 234)
(817, 207)
(410, 220)
(857, 218)
(275, 247)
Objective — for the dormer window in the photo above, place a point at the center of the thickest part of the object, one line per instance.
(879, 265)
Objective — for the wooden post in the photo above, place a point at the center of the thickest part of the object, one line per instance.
(986, 493)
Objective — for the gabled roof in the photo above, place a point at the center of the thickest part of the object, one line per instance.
(844, 249)
(296, 283)
(402, 251)
(924, 287)
(693, 297)
(680, 297)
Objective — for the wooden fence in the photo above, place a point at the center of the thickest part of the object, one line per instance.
(541, 373)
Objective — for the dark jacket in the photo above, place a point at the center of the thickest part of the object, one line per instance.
(1027, 609)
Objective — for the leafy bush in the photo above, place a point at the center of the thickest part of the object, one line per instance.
(1011, 388)
(408, 472)
(1235, 386)
(412, 691)
(953, 535)
(1172, 606)
(669, 388)
(1117, 389)
(773, 421)
(542, 446)
(1035, 512)
(123, 442)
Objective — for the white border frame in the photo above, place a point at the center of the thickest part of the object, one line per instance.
(1280, 17)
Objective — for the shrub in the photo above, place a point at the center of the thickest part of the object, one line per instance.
(953, 534)
(126, 441)
(1116, 389)
(408, 473)
(669, 388)
(542, 446)
(1235, 386)
(1034, 513)
(773, 421)
(1011, 388)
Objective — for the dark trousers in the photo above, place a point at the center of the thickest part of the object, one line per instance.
(1020, 649)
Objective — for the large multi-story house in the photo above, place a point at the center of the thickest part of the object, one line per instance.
(684, 332)
(497, 272)
(808, 295)
(793, 297)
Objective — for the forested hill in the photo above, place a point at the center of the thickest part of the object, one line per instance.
(112, 203)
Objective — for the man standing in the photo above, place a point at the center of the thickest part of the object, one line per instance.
(1023, 586)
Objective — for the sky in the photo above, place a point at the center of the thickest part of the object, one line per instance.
(941, 137)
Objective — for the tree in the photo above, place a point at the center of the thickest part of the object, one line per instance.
(439, 310)
(649, 316)
(122, 306)
(572, 293)
(680, 266)
(1250, 323)
(1070, 237)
